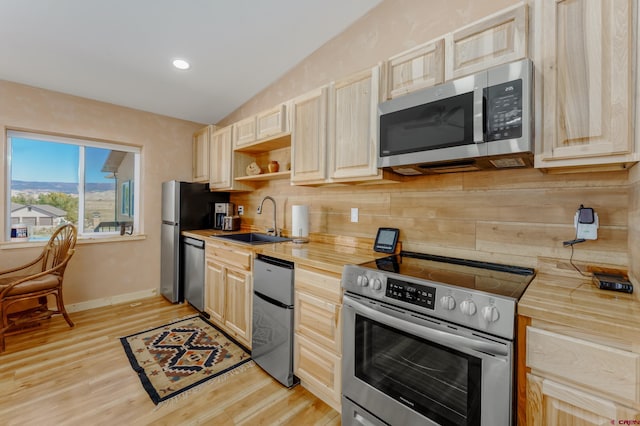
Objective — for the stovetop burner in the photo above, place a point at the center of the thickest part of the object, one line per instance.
(494, 278)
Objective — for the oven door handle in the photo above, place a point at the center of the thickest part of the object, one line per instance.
(442, 337)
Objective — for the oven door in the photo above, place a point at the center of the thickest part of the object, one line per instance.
(406, 368)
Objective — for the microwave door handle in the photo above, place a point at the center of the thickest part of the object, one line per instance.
(484, 115)
(444, 338)
(479, 107)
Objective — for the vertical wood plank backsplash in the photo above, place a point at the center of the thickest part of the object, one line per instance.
(510, 216)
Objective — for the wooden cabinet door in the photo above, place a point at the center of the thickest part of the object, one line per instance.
(272, 122)
(309, 138)
(244, 132)
(554, 404)
(322, 284)
(594, 367)
(201, 154)
(319, 369)
(215, 291)
(239, 304)
(420, 67)
(221, 176)
(353, 104)
(319, 320)
(497, 39)
(225, 164)
(585, 57)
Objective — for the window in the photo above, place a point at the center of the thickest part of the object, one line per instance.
(54, 180)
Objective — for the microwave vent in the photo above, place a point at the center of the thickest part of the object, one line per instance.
(407, 171)
(460, 166)
(507, 163)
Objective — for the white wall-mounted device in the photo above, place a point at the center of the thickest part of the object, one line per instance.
(586, 223)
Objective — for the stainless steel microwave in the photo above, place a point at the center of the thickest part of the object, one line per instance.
(477, 122)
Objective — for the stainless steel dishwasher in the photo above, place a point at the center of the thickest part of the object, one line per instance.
(193, 251)
(272, 338)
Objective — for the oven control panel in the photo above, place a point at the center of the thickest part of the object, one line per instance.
(416, 294)
(458, 305)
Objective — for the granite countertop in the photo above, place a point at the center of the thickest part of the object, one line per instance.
(321, 255)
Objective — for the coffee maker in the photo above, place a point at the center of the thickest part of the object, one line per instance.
(220, 211)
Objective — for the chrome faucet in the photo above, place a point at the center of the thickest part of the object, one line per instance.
(273, 230)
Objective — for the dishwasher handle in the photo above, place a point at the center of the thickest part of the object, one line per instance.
(193, 242)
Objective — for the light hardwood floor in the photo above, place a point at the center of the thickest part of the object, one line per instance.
(56, 375)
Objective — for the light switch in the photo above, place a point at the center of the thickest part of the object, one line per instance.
(354, 214)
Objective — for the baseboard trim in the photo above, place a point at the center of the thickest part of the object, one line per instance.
(113, 300)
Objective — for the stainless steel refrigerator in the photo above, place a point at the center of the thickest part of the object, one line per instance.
(185, 206)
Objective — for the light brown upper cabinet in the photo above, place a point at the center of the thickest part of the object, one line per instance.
(272, 122)
(584, 57)
(261, 138)
(200, 165)
(309, 137)
(244, 132)
(352, 141)
(420, 67)
(266, 125)
(353, 106)
(497, 39)
(334, 138)
(224, 163)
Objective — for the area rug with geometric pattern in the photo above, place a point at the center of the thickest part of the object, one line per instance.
(177, 357)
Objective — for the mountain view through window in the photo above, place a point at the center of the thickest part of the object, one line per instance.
(60, 180)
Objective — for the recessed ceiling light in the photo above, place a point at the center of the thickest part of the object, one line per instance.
(181, 64)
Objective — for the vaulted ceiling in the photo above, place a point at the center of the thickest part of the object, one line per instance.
(121, 51)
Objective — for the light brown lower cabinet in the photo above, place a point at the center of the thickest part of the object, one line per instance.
(551, 403)
(577, 379)
(319, 370)
(318, 333)
(228, 290)
(239, 294)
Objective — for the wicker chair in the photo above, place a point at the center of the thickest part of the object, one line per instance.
(33, 282)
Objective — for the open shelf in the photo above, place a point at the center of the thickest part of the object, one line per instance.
(265, 145)
(266, 176)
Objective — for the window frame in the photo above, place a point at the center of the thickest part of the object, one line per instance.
(81, 143)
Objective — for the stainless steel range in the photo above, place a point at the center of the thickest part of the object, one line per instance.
(429, 340)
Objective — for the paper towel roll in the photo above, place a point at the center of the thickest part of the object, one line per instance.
(300, 223)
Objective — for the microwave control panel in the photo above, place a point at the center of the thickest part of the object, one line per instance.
(503, 111)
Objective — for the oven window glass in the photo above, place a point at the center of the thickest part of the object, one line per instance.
(436, 381)
(439, 124)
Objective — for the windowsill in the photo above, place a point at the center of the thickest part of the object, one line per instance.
(81, 241)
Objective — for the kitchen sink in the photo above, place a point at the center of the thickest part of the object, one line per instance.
(253, 238)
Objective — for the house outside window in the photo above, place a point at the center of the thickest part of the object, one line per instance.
(54, 180)
(37, 214)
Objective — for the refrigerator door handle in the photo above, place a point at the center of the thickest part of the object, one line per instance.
(272, 301)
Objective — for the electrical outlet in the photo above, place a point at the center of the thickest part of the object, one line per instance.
(240, 210)
(354, 214)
